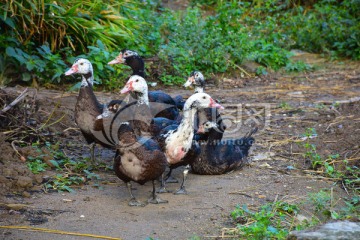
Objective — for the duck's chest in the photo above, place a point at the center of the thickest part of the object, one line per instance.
(132, 166)
(177, 145)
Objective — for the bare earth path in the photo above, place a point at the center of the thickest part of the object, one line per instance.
(275, 169)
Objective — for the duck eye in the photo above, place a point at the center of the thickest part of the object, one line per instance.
(81, 64)
(137, 80)
(204, 97)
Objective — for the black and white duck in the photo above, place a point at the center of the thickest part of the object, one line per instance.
(197, 80)
(220, 156)
(133, 60)
(137, 159)
(87, 107)
(177, 140)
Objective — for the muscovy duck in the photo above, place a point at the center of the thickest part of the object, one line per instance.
(138, 159)
(133, 60)
(220, 156)
(197, 79)
(138, 88)
(87, 107)
(177, 140)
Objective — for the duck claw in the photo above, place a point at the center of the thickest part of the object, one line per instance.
(135, 203)
(162, 190)
(156, 200)
(181, 191)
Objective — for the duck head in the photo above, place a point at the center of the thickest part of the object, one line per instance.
(205, 127)
(135, 84)
(83, 67)
(123, 56)
(196, 79)
(201, 100)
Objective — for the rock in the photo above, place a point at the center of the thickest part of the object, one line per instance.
(24, 182)
(330, 231)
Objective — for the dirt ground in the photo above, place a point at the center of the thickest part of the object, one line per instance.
(282, 105)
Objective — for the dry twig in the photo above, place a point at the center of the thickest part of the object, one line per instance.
(16, 101)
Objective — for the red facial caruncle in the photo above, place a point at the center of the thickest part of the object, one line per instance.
(214, 104)
(74, 69)
(127, 88)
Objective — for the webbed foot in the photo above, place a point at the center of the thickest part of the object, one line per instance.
(156, 200)
(135, 203)
(162, 190)
(181, 190)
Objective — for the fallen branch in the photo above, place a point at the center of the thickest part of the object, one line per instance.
(16, 101)
(22, 158)
(45, 230)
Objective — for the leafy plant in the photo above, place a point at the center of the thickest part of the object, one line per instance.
(332, 166)
(234, 31)
(285, 105)
(70, 171)
(273, 220)
(298, 66)
(74, 24)
(36, 165)
(63, 182)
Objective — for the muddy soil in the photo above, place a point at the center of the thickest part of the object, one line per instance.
(282, 105)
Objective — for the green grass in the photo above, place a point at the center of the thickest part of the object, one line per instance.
(69, 172)
(332, 166)
(276, 220)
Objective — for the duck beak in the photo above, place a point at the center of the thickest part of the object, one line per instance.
(201, 129)
(126, 89)
(189, 82)
(72, 70)
(117, 60)
(214, 104)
